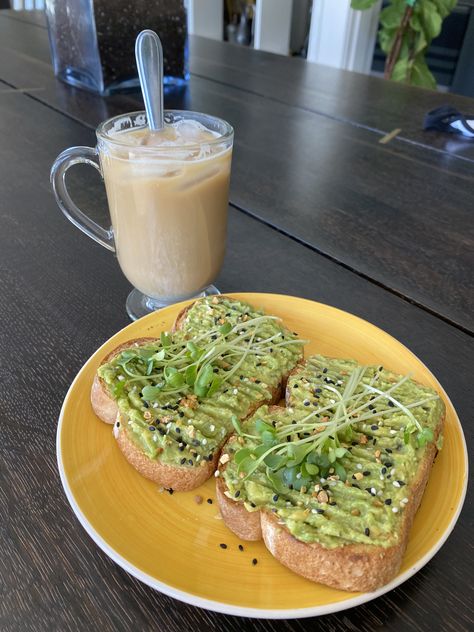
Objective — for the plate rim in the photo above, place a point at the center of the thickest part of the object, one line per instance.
(233, 609)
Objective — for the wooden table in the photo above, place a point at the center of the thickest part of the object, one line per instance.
(381, 230)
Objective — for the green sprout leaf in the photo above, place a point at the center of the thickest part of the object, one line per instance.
(424, 437)
(225, 329)
(165, 339)
(236, 424)
(150, 393)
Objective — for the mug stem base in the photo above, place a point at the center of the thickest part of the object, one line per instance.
(139, 304)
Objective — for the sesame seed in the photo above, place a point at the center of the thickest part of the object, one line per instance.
(151, 428)
(359, 466)
(367, 531)
(366, 473)
(396, 484)
(254, 561)
(374, 427)
(237, 493)
(400, 483)
(275, 498)
(395, 510)
(373, 491)
(183, 461)
(241, 548)
(222, 545)
(209, 501)
(388, 501)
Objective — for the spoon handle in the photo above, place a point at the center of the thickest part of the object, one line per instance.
(149, 56)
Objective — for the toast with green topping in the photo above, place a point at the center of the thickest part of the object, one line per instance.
(173, 399)
(333, 481)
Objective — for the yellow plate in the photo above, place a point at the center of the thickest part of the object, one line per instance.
(172, 544)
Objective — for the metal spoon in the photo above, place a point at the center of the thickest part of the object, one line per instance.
(149, 56)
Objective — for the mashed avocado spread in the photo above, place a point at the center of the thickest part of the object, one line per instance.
(178, 395)
(336, 465)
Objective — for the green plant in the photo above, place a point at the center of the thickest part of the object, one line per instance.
(407, 29)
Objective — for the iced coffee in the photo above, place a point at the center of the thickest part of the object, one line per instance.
(168, 194)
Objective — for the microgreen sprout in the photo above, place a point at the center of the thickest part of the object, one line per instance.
(199, 366)
(294, 453)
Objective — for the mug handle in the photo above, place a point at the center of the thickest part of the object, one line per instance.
(68, 158)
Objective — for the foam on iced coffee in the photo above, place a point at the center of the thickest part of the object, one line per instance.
(169, 206)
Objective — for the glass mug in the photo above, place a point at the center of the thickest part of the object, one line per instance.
(167, 203)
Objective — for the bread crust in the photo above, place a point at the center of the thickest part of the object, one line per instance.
(178, 479)
(352, 567)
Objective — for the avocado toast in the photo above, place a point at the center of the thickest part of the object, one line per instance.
(173, 399)
(332, 482)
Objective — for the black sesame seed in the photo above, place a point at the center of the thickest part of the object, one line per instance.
(275, 498)
(210, 457)
(181, 414)
(152, 428)
(214, 336)
(241, 548)
(146, 404)
(290, 486)
(317, 390)
(237, 493)
(355, 485)
(295, 385)
(388, 501)
(222, 545)
(383, 470)
(209, 501)
(306, 403)
(325, 370)
(388, 464)
(366, 473)
(401, 483)
(374, 427)
(367, 531)
(391, 404)
(388, 450)
(258, 381)
(118, 424)
(241, 377)
(254, 561)
(320, 511)
(190, 461)
(371, 407)
(354, 443)
(253, 505)
(181, 448)
(170, 491)
(178, 430)
(183, 461)
(215, 370)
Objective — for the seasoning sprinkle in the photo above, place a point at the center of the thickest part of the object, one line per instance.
(222, 545)
(254, 561)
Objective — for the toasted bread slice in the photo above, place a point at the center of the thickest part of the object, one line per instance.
(188, 474)
(351, 565)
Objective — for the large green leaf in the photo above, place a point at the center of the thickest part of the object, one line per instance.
(391, 16)
(386, 37)
(360, 5)
(445, 6)
(430, 19)
(421, 75)
(400, 70)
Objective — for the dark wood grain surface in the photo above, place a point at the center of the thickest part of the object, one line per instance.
(352, 97)
(61, 296)
(398, 214)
